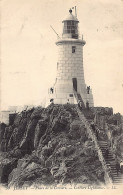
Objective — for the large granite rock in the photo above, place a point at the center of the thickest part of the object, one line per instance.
(51, 145)
(29, 171)
(6, 167)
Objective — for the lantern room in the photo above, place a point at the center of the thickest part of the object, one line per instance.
(70, 27)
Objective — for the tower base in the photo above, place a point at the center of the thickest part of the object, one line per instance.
(72, 97)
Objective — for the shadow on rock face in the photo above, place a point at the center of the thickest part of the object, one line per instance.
(6, 166)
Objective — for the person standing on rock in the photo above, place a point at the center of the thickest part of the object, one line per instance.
(121, 167)
(52, 101)
(88, 89)
(79, 104)
(87, 105)
(51, 90)
(68, 101)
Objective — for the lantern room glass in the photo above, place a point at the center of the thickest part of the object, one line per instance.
(71, 28)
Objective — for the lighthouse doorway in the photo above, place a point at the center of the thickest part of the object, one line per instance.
(74, 84)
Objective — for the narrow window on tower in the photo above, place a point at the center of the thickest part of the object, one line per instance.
(73, 49)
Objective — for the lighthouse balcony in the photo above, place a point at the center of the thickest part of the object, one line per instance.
(66, 40)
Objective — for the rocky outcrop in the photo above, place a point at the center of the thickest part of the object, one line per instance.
(6, 167)
(49, 146)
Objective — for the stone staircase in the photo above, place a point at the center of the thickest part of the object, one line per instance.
(91, 134)
(110, 161)
(107, 162)
(79, 98)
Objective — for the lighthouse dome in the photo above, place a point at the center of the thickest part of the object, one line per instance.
(70, 17)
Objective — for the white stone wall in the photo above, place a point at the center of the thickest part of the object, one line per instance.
(70, 65)
(4, 118)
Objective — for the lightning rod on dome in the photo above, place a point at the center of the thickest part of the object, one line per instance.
(75, 10)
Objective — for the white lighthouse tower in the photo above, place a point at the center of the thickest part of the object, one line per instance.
(70, 83)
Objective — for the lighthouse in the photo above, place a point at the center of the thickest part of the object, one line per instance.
(69, 86)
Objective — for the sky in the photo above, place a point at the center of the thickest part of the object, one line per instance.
(29, 54)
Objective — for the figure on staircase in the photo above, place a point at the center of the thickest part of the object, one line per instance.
(93, 126)
(106, 153)
(117, 167)
(95, 130)
(80, 104)
(87, 105)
